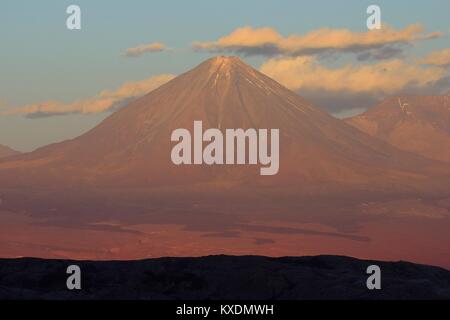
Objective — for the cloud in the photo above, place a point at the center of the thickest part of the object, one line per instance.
(382, 44)
(386, 76)
(353, 86)
(140, 50)
(106, 100)
(342, 104)
(264, 41)
(438, 58)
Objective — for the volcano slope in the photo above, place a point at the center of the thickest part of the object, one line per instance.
(420, 124)
(120, 173)
(7, 152)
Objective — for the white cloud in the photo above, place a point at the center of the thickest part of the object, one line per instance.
(355, 86)
(268, 42)
(385, 77)
(438, 58)
(106, 100)
(144, 48)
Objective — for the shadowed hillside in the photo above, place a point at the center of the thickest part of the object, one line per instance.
(222, 277)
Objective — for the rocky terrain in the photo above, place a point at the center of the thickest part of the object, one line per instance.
(222, 277)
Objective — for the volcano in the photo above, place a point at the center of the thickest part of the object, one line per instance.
(114, 192)
(131, 148)
(420, 124)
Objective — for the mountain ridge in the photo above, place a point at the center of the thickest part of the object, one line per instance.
(418, 124)
(202, 278)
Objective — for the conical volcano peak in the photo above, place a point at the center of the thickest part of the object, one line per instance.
(226, 61)
(225, 87)
(222, 71)
(226, 64)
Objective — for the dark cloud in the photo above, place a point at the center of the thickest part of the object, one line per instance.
(383, 53)
(265, 50)
(41, 114)
(288, 230)
(338, 102)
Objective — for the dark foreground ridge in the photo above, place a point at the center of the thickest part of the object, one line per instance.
(222, 277)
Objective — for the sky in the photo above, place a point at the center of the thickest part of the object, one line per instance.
(57, 83)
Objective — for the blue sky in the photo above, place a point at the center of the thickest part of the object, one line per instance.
(41, 60)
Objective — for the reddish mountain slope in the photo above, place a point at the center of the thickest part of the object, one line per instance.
(7, 152)
(419, 124)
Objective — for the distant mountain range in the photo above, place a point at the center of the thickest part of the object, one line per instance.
(420, 124)
(222, 277)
